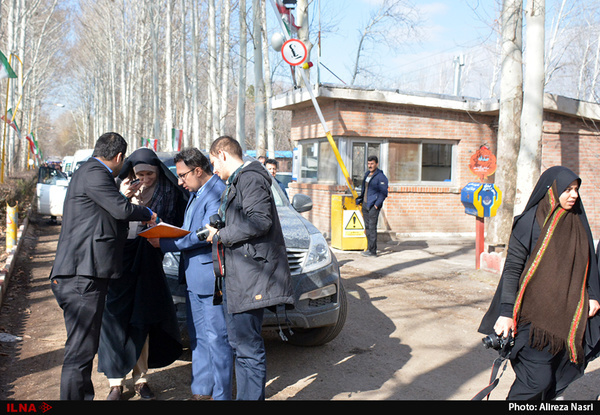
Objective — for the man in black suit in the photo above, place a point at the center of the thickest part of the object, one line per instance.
(89, 254)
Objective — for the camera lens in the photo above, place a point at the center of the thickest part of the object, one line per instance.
(491, 341)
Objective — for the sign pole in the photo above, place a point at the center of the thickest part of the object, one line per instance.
(314, 101)
(479, 240)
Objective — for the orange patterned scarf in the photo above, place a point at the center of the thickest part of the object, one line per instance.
(552, 296)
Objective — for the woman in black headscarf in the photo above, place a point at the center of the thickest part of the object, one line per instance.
(549, 290)
(139, 324)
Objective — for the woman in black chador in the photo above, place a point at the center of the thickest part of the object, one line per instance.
(139, 324)
(549, 290)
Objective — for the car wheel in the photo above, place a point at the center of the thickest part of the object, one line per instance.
(322, 335)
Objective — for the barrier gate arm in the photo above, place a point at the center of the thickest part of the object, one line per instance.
(318, 109)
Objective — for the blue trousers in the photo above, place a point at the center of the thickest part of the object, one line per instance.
(245, 336)
(212, 356)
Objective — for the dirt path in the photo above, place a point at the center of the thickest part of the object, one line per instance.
(410, 333)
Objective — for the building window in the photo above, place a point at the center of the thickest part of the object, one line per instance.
(360, 153)
(318, 163)
(412, 162)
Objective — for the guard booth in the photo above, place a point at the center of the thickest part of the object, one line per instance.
(347, 224)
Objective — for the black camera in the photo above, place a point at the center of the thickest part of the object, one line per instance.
(215, 221)
(497, 342)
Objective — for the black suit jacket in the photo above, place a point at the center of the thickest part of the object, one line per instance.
(95, 223)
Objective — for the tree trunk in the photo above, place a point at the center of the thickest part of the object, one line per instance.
(240, 116)
(259, 87)
(168, 120)
(532, 117)
(509, 133)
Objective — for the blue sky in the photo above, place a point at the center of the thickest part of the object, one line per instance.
(448, 28)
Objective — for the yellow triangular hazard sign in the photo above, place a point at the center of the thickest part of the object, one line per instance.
(354, 223)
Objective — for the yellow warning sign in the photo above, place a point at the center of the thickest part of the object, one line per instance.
(353, 224)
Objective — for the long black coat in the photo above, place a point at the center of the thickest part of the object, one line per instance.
(257, 273)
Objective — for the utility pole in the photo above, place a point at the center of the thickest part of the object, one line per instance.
(459, 62)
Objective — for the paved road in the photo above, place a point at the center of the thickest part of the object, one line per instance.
(410, 334)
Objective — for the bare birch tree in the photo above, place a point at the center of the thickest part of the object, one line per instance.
(532, 116)
(396, 14)
(509, 132)
(259, 86)
(240, 130)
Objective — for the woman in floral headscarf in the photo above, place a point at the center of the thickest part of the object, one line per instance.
(549, 290)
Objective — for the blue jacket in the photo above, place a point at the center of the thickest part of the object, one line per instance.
(195, 263)
(378, 190)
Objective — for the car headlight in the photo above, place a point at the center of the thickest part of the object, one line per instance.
(318, 254)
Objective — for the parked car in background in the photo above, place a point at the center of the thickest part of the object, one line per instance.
(51, 189)
(67, 163)
(79, 158)
(321, 305)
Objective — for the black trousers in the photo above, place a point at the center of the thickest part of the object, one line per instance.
(540, 375)
(82, 300)
(370, 216)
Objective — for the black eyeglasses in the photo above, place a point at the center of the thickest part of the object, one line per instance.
(182, 176)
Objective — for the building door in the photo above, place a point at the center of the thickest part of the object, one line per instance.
(360, 152)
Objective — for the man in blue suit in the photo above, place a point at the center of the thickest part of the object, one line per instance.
(212, 356)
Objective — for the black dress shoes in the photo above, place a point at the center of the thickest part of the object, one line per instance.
(143, 390)
(115, 393)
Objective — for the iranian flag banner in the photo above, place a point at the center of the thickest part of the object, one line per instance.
(8, 118)
(287, 17)
(176, 138)
(32, 144)
(39, 153)
(150, 143)
(5, 70)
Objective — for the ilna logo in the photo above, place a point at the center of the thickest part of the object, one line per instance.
(27, 407)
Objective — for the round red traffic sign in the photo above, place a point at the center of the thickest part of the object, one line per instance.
(294, 52)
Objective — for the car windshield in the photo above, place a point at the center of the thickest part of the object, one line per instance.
(280, 199)
(50, 175)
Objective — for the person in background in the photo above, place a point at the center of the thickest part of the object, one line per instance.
(374, 192)
(547, 296)
(90, 254)
(139, 325)
(271, 165)
(212, 356)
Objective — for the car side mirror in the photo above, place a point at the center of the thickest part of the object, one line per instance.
(302, 203)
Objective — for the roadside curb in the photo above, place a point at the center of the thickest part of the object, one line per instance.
(7, 269)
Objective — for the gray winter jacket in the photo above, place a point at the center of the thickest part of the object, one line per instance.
(257, 273)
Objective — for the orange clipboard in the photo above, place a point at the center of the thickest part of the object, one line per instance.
(163, 230)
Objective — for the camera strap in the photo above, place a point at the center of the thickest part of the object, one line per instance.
(494, 378)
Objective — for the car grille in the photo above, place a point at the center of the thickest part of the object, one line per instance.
(296, 259)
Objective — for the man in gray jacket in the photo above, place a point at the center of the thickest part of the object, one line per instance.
(256, 270)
